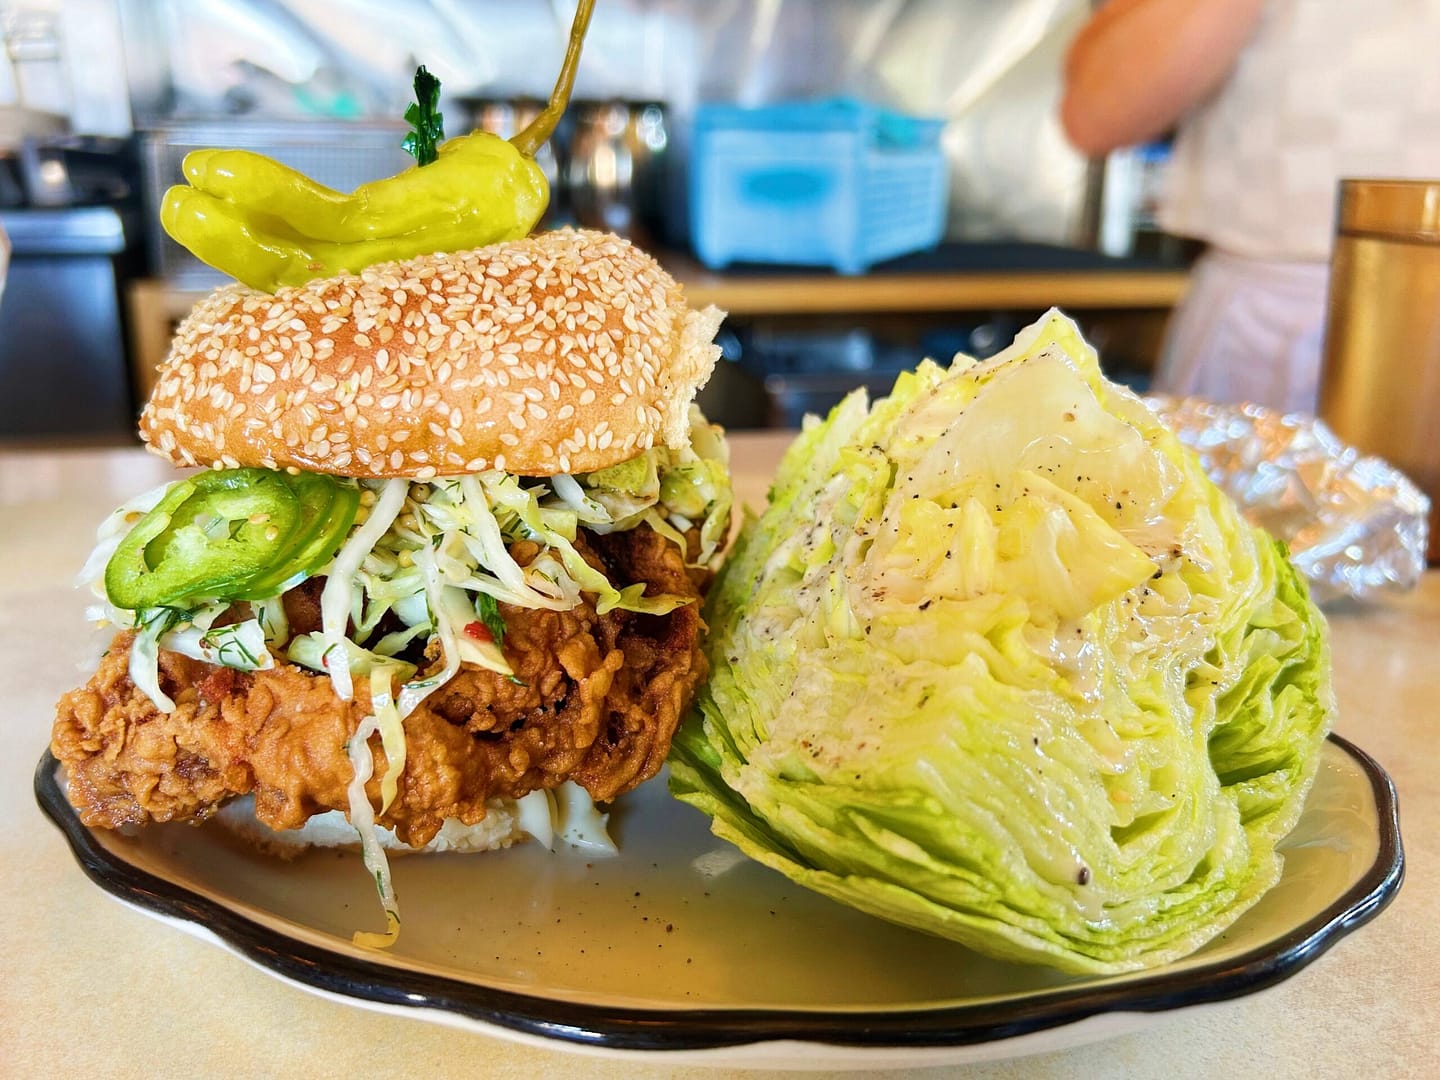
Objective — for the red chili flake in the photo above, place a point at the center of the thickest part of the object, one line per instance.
(479, 631)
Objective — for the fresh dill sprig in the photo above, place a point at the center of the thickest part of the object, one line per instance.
(488, 609)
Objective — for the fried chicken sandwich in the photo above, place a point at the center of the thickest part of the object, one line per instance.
(446, 552)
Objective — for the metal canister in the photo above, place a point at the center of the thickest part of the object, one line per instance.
(1380, 382)
(614, 168)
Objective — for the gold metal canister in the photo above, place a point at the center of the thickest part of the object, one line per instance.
(1380, 383)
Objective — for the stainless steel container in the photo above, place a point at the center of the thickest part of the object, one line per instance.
(1380, 383)
(614, 166)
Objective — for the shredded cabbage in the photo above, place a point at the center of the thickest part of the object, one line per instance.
(336, 600)
(308, 650)
(111, 531)
(274, 623)
(581, 824)
(431, 557)
(668, 489)
(150, 625)
(392, 735)
(362, 816)
(241, 645)
(425, 552)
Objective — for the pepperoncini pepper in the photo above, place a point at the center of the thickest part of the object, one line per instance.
(268, 225)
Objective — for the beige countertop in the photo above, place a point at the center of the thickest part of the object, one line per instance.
(93, 988)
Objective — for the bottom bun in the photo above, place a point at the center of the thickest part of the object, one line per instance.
(566, 814)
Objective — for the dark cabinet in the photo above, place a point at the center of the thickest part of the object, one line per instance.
(63, 370)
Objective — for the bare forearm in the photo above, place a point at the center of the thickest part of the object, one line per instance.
(1139, 65)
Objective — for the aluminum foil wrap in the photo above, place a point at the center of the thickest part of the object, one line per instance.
(1356, 525)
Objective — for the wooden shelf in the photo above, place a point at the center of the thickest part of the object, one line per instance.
(826, 294)
(156, 306)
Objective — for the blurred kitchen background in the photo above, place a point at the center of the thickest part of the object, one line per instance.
(860, 183)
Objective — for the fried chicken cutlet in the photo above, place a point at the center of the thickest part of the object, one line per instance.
(595, 699)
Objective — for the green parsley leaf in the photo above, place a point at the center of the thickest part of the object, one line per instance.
(424, 116)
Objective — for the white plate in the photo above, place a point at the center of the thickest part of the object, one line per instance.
(680, 949)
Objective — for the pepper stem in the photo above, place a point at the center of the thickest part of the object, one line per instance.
(543, 126)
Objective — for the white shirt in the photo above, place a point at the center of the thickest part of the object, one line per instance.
(1326, 89)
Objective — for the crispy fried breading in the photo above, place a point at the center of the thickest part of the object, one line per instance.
(597, 701)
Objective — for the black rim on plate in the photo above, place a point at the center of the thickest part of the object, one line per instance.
(622, 1028)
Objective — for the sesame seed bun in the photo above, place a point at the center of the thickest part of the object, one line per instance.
(565, 352)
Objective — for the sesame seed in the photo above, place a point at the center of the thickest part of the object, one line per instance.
(348, 370)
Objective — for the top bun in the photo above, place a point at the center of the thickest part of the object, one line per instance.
(565, 352)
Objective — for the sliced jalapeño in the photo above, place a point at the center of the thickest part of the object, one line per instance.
(235, 534)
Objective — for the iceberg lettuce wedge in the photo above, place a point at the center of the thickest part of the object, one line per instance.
(1001, 664)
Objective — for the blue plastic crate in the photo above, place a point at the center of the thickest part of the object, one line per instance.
(829, 183)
